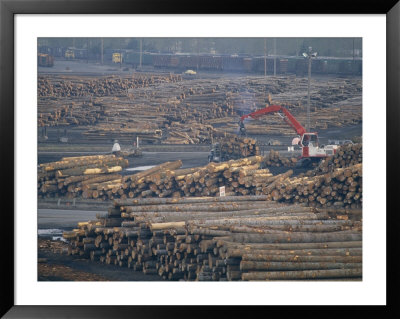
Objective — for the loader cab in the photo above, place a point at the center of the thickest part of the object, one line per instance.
(310, 146)
(310, 140)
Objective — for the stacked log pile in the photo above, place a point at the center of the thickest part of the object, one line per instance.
(221, 238)
(163, 101)
(240, 177)
(88, 176)
(196, 133)
(62, 86)
(346, 155)
(324, 118)
(340, 188)
(235, 147)
(124, 134)
(170, 181)
(79, 112)
(275, 159)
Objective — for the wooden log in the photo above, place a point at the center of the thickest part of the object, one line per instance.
(253, 221)
(80, 178)
(301, 258)
(158, 226)
(104, 178)
(188, 200)
(88, 171)
(163, 166)
(222, 206)
(279, 180)
(83, 161)
(87, 157)
(304, 274)
(281, 266)
(297, 237)
(294, 228)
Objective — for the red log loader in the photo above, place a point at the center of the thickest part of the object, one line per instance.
(308, 141)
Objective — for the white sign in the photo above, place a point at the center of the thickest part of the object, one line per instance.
(222, 191)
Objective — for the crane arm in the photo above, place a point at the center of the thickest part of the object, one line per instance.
(288, 117)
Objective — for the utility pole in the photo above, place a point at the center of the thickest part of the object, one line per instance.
(274, 56)
(197, 43)
(308, 97)
(102, 49)
(87, 47)
(140, 56)
(353, 68)
(309, 55)
(265, 57)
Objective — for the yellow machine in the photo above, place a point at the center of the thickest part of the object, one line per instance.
(69, 54)
(190, 72)
(117, 58)
(45, 60)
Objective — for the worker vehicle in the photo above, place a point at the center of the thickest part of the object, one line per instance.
(117, 57)
(190, 72)
(63, 138)
(69, 54)
(308, 141)
(216, 154)
(46, 60)
(116, 149)
(340, 142)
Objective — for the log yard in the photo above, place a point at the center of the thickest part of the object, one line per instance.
(199, 166)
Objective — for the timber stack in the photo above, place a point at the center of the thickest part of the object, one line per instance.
(168, 180)
(62, 86)
(197, 133)
(276, 160)
(236, 147)
(222, 238)
(87, 176)
(341, 188)
(96, 178)
(346, 155)
(166, 102)
(124, 134)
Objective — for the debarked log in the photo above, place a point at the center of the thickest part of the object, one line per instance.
(275, 265)
(304, 274)
(301, 258)
(187, 200)
(239, 252)
(228, 206)
(289, 246)
(293, 228)
(88, 171)
(83, 161)
(296, 237)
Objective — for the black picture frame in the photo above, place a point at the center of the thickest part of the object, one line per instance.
(9, 8)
